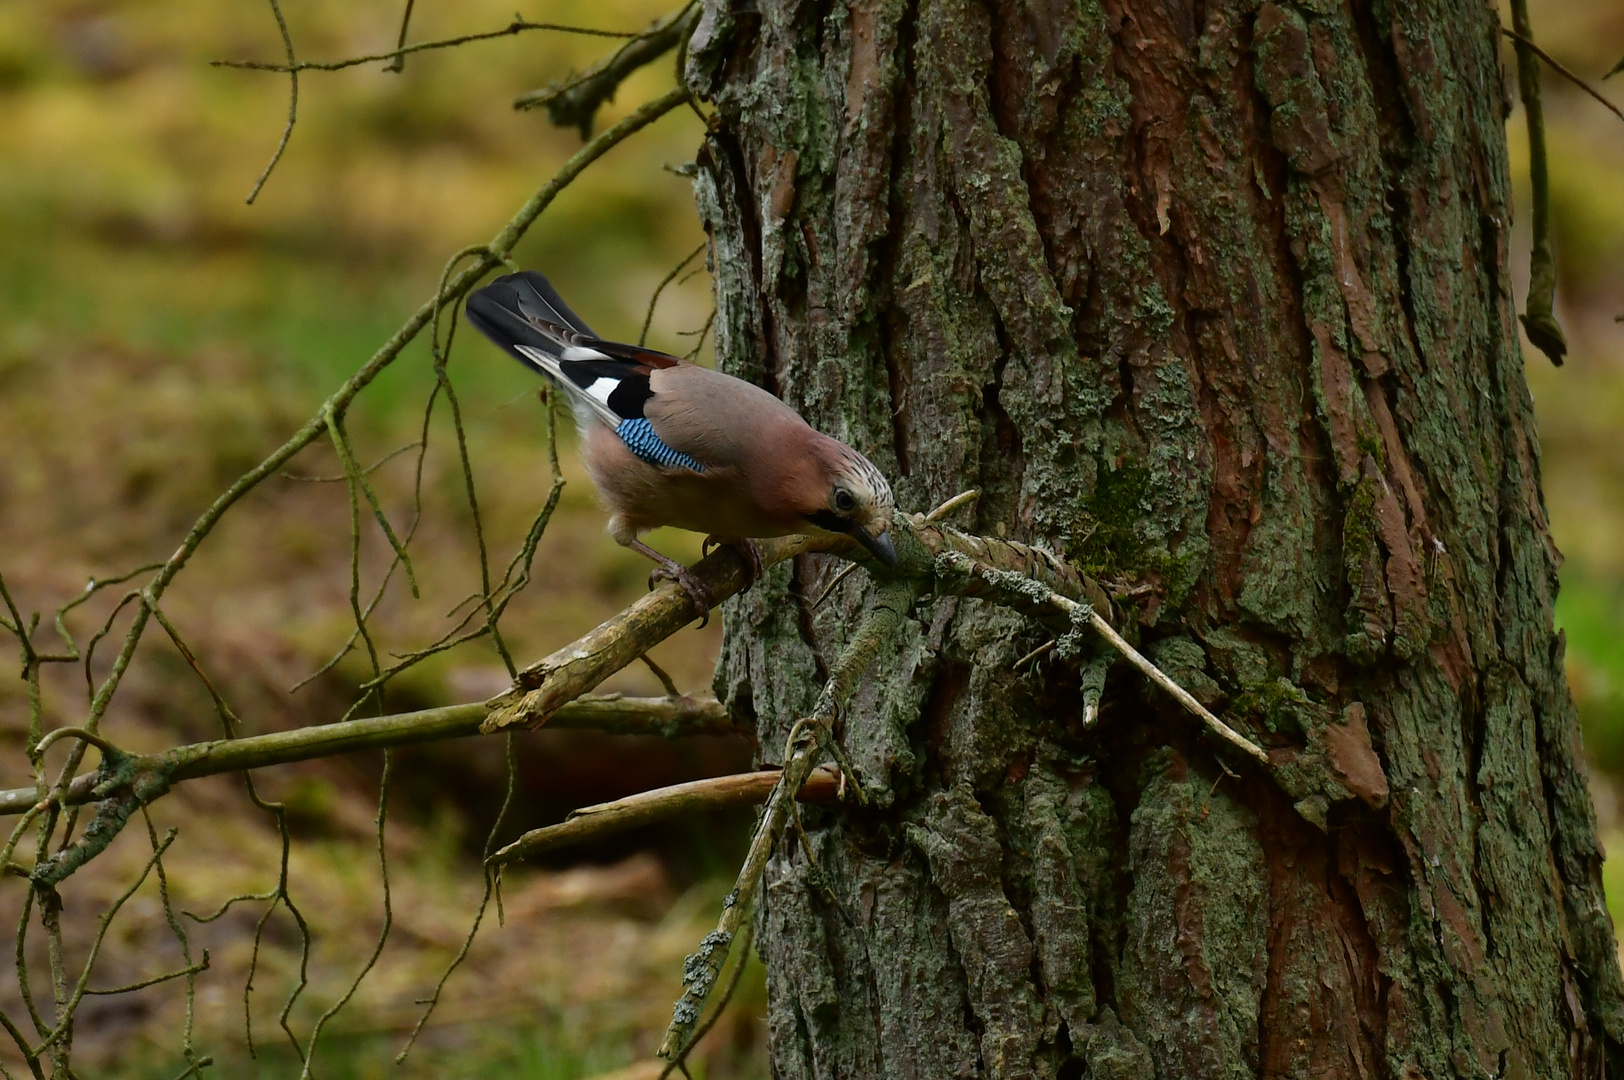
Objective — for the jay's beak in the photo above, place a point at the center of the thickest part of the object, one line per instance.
(878, 546)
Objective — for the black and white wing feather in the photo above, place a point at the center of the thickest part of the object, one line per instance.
(524, 315)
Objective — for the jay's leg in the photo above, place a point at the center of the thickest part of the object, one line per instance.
(748, 551)
(671, 570)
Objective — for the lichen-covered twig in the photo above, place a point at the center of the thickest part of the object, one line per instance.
(878, 628)
(62, 1032)
(963, 498)
(960, 574)
(646, 807)
(678, 1062)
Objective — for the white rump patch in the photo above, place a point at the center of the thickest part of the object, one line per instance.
(578, 352)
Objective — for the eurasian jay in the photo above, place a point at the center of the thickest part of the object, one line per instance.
(667, 442)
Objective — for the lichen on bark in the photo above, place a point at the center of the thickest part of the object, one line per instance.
(1214, 299)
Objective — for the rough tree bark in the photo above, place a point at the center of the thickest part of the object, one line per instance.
(1213, 298)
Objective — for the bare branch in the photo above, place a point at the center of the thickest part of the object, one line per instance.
(292, 69)
(517, 26)
(646, 807)
(648, 320)
(613, 714)
(494, 254)
(574, 103)
(545, 686)
(575, 669)
(1562, 70)
(398, 64)
(1539, 315)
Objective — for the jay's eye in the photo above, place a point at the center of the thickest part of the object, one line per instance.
(844, 502)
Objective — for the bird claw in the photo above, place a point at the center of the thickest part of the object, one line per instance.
(748, 551)
(682, 577)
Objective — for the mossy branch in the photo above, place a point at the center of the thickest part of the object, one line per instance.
(667, 717)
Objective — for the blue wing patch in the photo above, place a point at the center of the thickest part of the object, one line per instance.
(639, 437)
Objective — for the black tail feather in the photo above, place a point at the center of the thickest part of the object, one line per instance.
(500, 311)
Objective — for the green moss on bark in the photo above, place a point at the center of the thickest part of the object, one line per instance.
(1219, 307)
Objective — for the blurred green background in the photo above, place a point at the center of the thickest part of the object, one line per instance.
(158, 336)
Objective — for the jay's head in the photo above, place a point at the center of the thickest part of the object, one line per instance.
(851, 498)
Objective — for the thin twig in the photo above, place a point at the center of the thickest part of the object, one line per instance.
(497, 250)
(398, 64)
(442, 357)
(517, 26)
(168, 976)
(358, 483)
(92, 587)
(1034, 654)
(661, 674)
(292, 69)
(1539, 316)
(959, 573)
(492, 879)
(648, 319)
(383, 933)
(415, 444)
(703, 332)
(1565, 72)
(75, 733)
(188, 971)
(575, 102)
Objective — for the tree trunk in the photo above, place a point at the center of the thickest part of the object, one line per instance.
(1214, 299)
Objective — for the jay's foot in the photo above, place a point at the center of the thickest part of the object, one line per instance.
(748, 551)
(671, 570)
